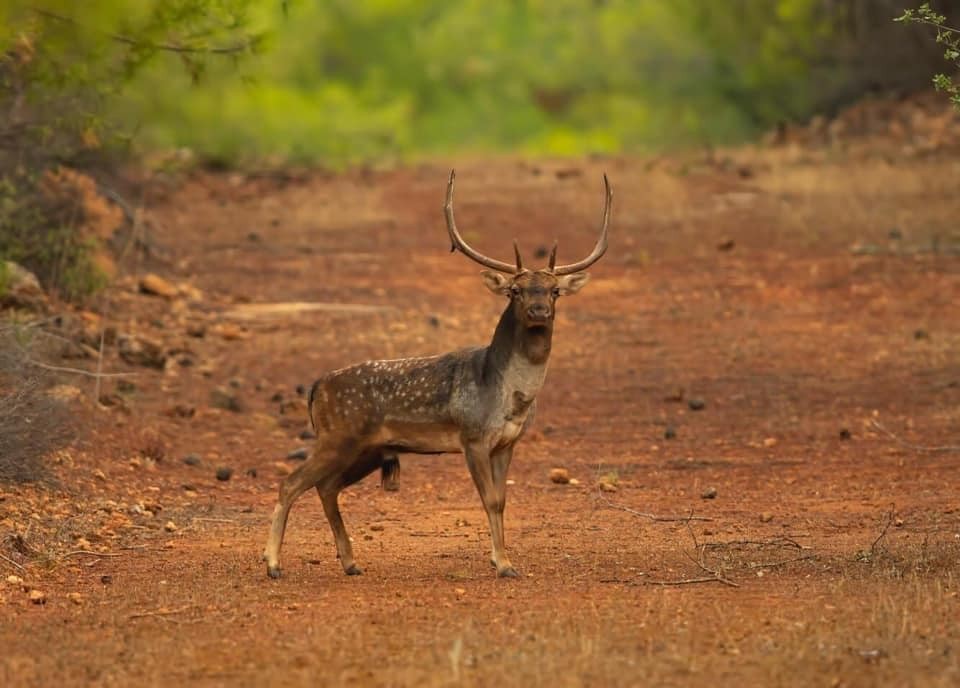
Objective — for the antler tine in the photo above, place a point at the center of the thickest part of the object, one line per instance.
(601, 246)
(457, 242)
(552, 262)
(516, 252)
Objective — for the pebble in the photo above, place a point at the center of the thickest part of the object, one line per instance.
(157, 286)
(227, 400)
(696, 404)
(38, 597)
(766, 517)
(300, 454)
(75, 597)
(170, 527)
(560, 476)
(192, 459)
(709, 493)
(224, 473)
(845, 434)
(308, 435)
(670, 433)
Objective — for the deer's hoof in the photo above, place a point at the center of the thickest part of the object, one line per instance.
(353, 570)
(273, 571)
(390, 486)
(508, 572)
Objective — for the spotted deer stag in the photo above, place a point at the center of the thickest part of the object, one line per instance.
(477, 401)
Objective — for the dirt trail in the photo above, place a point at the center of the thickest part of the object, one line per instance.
(808, 303)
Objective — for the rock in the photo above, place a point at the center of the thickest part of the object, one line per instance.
(192, 459)
(180, 411)
(227, 400)
(231, 332)
(726, 245)
(157, 286)
(15, 581)
(75, 597)
(376, 527)
(38, 596)
(606, 486)
(196, 330)
(921, 334)
(141, 351)
(766, 517)
(770, 442)
(299, 454)
(106, 579)
(170, 527)
(845, 434)
(301, 390)
(670, 433)
(560, 476)
(65, 393)
(100, 475)
(696, 404)
(573, 481)
(307, 435)
(21, 288)
(709, 493)
(224, 473)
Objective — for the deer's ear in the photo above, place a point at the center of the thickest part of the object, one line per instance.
(496, 282)
(571, 284)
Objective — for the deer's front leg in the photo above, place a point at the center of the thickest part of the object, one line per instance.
(489, 471)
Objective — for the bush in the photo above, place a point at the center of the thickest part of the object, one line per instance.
(33, 422)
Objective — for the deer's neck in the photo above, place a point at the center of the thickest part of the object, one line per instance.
(517, 357)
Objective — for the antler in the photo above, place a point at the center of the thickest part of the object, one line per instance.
(457, 242)
(598, 250)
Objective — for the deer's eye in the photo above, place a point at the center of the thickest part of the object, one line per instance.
(555, 291)
(515, 290)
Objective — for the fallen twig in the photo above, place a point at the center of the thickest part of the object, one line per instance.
(653, 517)
(774, 564)
(691, 581)
(910, 445)
(12, 562)
(89, 553)
(160, 612)
(701, 564)
(883, 532)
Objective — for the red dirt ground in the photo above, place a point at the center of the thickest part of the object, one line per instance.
(809, 300)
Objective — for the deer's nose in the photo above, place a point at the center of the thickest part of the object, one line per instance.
(539, 311)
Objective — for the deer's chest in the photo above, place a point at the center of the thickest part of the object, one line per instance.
(519, 391)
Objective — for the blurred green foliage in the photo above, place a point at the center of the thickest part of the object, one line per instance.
(354, 79)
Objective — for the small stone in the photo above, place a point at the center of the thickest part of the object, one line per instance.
(224, 473)
(192, 459)
(157, 286)
(277, 397)
(251, 473)
(670, 433)
(75, 597)
(898, 522)
(38, 596)
(770, 442)
(606, 486)
(301, 390)
(574, 482)
(433, 321)
(376, 527)
(726, 245)
(307, 435)
(170, 527)
(14, 580)
(845, 434)
(106, 579)
(231, 332)
(766, 517)
(223, 398)
(921, 334)
(560, 476)
(709, 493)
(100, 475)
(696, 404)
(300, 454)
(141, 351)
(196, 329)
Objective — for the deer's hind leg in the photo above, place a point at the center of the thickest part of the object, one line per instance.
(291, 488)
(329, 489)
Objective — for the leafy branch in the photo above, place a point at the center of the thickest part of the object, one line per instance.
(947, 36)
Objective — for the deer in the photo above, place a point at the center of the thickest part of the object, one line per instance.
(477, 401)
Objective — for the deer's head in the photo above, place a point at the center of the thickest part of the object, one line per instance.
(533, 293)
